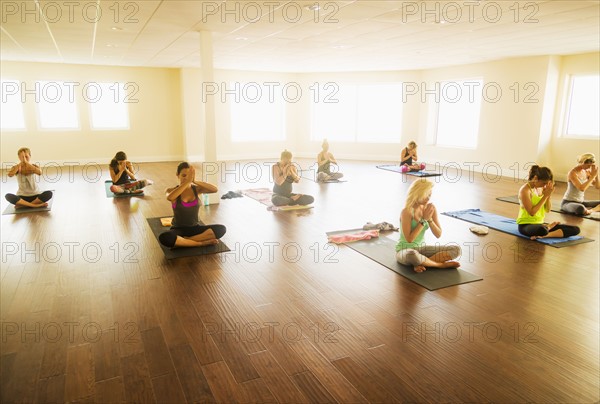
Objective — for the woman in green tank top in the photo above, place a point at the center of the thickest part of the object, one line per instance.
(416, 218)
(534, 198)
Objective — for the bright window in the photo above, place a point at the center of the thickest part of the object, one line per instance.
(11, 116)
(108, 109)
(458, 113)
(257, 113)
(56, 105)
(362, 113)
(583, 103)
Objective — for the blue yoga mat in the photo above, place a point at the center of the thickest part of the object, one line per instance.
(510, 226)
(397, 169)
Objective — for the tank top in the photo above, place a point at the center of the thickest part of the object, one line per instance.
(285, 189)
(418, 241)
(27, 185)
(123, 179)
(325, 168)
(574, 194)
(408, 160)
(526, 218)
(185, 214)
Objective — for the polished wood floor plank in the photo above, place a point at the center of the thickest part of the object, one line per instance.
(110, 391)
(167, 389)
(51, 390)
(193, 382)
(222, 383)
(136, 379)
(328, 375)
(312, 388)
(79, 380)
(276, 379)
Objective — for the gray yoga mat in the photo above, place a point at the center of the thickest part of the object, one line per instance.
(10, 209)
(110, 194)
(382, 250)
(171, 253)
(515, 199)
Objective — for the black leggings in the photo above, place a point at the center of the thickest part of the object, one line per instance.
(44, 197)
(540, 230)
(577, 208)
(169, 238)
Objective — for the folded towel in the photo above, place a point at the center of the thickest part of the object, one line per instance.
(350, 237)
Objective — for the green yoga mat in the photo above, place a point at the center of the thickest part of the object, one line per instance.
(171, 253)
(110, 194)
(383, 251)
(515, 199)
(11, 210)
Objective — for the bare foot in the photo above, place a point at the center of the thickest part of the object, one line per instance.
(450, 264)
(116, 189)
(552, 225)
(420, 268)
(208, 242)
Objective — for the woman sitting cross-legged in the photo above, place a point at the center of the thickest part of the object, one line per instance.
(324, 160)
(186, 230)
(534, 198)
(123, 178)
(284, 175)
(581, 177)
(28, 195)
(418, 216)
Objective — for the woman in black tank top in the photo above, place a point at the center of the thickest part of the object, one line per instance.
(284, 175)
(186, 230)
(409, 158)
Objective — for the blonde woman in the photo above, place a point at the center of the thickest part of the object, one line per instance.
(408, 158)
(581, 177)
(284, 175)
(28, 194)
(325, 159)
(418, 216)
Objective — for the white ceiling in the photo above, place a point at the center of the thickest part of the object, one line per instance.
(273, 35)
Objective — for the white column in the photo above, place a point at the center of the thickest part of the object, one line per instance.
(210, 133)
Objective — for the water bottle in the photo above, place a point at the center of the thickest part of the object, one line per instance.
(205, 199)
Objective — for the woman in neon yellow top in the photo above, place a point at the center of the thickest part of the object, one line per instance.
(534, 198)
(417, 216)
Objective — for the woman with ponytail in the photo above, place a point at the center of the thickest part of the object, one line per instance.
(534, 198)
(123, 178)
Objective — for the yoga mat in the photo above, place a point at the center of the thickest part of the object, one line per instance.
(11, 210)
(515, 199)
(507, 225)
(383, 251)
(171, 253)
(110, 194)
(397, 169)
(263, 195)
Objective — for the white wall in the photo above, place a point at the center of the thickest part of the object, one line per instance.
(155, 132)
(167, 122)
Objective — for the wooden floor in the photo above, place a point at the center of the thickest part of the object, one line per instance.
(91, 310)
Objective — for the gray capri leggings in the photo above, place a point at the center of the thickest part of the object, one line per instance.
(577, 208)
(416, 256)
